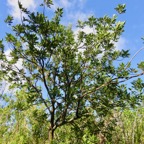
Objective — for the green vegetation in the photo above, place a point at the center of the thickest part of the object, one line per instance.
(69, 89)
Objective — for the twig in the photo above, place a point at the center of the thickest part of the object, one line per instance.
(133, 57)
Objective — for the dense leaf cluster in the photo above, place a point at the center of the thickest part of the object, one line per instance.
(66, 78)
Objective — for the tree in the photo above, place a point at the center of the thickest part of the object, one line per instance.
(73, 84)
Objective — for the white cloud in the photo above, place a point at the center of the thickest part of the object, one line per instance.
(9, 58)
(4, 88)
(14, 9)
(121, 44)
(7, 53)
(66, 4)
(86, 30)
(73, 10)
(61, 3)
(78, 15)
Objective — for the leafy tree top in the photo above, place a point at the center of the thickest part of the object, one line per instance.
(70, 83)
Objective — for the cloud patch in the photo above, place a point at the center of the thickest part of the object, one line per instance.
(73, 10)
(14, 8)
(121, 44)
(68, 4)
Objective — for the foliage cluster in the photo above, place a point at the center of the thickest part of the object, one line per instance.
(68, 89)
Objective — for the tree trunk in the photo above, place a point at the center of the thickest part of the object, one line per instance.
(50, 135)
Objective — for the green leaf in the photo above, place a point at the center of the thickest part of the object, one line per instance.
(9, 20)
(121, 8)
(48, 3)
(141, 65)
(1, 46)
(22, 8)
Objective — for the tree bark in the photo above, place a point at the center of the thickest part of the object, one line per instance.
(50, 135)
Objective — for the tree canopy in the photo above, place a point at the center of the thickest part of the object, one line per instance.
(65, 80)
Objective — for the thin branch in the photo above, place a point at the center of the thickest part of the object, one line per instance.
(30, 83)
(134, 57)
(44, 78)
(71, 120)
(112, 82)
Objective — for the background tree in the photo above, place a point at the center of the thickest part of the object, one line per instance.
(71, 84)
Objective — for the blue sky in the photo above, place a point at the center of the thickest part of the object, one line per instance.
(81, 9)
